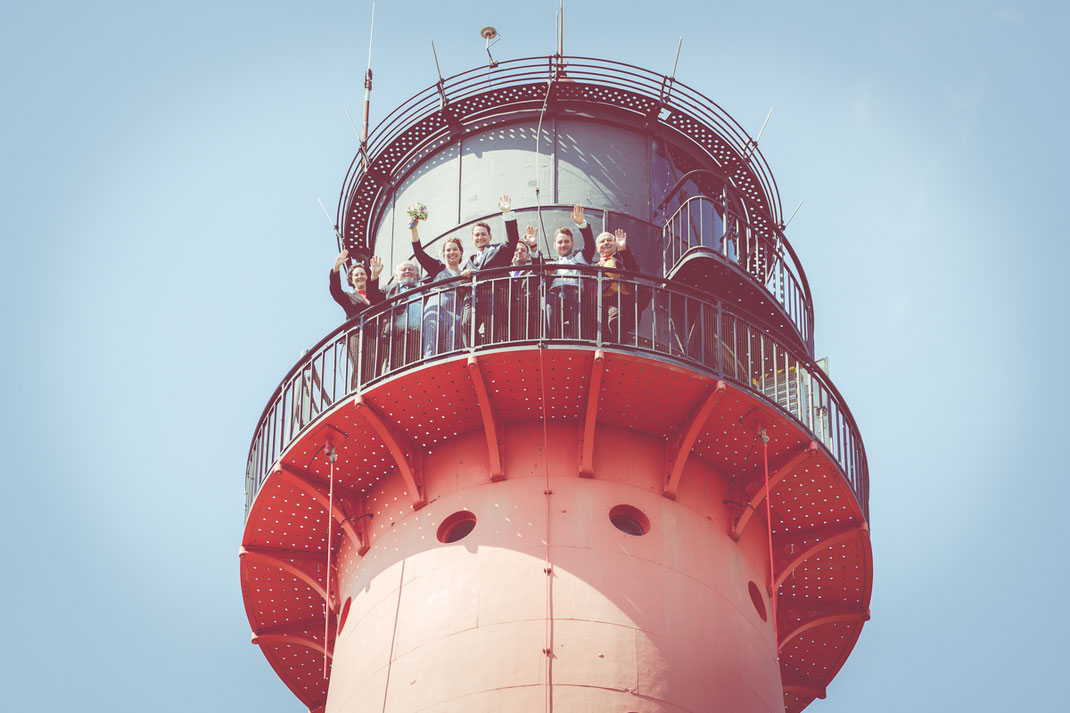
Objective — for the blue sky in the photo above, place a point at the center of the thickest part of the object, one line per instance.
(166, 259)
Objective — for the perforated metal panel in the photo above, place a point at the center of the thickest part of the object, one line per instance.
(432, 406)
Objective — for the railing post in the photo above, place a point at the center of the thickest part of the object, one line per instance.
(666, 241)
(358, 379)
(598, 321)
(474, 321)
(544, 308)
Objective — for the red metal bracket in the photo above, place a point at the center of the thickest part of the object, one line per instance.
(802, 687)
(783, 467)
(299, 479)
(826, 537)
(819, 616)
(682, 440)
(306, 566)
(361, 526)
(406, 456)
(298, 628)
(491, 427)
(289, 639)
(594, 393)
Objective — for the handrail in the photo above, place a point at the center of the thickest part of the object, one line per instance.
(551, 306)
(522, 84)
(709, 222)
(777, 229)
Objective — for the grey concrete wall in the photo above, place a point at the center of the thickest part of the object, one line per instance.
(603, 168)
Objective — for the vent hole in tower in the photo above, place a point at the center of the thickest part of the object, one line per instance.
(629, 520)
(456, 527)
(757, 599)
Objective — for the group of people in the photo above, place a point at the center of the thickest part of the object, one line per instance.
(506, 308)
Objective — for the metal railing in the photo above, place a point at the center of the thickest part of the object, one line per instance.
(711, 223)
(549, 306)
(434, 113)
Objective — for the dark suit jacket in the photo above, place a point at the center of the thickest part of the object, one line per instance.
(498, 254)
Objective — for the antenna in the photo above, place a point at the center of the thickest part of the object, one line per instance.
(794, 212)
(561, 29)
(752, 145)
(764, 123)
(351, 123)
(330, 220)
(435, 55)
(367, 91)
(488, 33)
(441, 82)
(677, 60)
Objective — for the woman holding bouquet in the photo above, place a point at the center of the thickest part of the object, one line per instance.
(442, 314)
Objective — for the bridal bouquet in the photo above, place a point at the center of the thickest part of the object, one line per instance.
(416, 213)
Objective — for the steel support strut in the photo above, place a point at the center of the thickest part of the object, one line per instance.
(807, 547)
(782, 468)
(679, 444)
(406, 456)
(594, 392)
(819, 615)
(491, 426)
(299, 479)
(305, 566)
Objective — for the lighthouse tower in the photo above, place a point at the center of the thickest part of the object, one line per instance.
(649, 499)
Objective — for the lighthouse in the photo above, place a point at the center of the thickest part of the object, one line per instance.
(649, 499)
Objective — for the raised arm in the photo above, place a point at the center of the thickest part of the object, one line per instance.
(627, 257)
(428, 263)
(337, 293)
(502, 253)
(371, 290)
(512, 233)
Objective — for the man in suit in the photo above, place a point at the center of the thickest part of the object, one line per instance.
(490, 297)
(524, 294)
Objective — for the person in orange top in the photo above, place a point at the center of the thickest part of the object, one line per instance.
(619, 306)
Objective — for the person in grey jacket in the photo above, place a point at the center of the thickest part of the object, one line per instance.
(401, 341)
(564, 313)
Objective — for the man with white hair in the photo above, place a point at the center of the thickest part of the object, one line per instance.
(401, 342)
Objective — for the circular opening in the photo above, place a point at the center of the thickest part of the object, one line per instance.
(345, 613)
(757, 599)
(629, 520)
(456, 526)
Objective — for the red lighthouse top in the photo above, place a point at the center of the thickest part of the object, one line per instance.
(699, 362)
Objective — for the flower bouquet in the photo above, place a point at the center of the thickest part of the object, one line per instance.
(416, 213)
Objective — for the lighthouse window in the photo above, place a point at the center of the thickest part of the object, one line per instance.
(629, 520)
(456, 527)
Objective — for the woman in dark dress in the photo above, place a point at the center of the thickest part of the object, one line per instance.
(365, 294)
